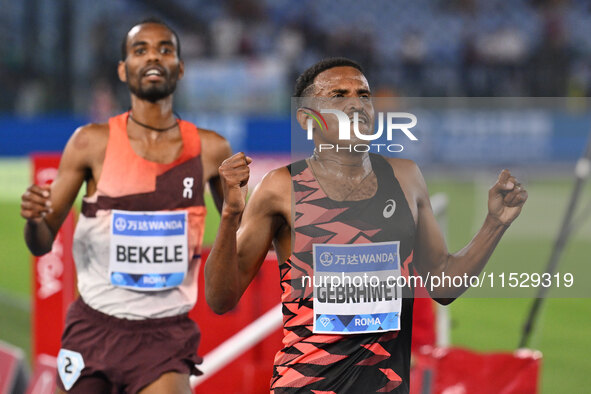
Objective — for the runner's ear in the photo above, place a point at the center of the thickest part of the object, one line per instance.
(302, 118)
(121, 71)
(181, 69)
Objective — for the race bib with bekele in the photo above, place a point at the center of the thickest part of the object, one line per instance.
(355, 288)
(148, 250)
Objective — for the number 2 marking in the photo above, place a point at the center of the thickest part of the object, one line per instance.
(68, 366)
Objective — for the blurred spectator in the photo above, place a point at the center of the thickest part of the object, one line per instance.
(550, 62)
(227, 37)
(413, 53)
(102, 104)
(422, 47)
(290, 43)
(503, 52)
(352, 42)
(30, 100)
(471, 70)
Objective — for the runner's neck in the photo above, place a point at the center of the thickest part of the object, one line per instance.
(158, 115)
(342, 163)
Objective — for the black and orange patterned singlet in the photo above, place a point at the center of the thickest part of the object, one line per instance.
(335, 363)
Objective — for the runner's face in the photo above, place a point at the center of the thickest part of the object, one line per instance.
(152, 67)
(345, 89)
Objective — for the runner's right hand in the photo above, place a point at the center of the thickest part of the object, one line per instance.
(234, 173)
(36, 203)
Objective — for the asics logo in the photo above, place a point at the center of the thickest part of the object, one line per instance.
(389, 209)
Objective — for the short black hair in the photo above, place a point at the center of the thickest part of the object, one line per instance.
(306, 79)
(146, 21)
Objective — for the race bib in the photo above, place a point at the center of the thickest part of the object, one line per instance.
(355, 288)
(148, 250)
(69, 366)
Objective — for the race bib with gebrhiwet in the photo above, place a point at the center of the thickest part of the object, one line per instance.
(355, 288)
(148, 250)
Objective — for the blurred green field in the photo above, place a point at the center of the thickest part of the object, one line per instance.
(563, 329)
(564, 325)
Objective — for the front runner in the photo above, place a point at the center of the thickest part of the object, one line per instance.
(347, 206)
(138, 239)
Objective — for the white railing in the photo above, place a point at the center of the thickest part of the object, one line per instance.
(439, 204)
(239, 343)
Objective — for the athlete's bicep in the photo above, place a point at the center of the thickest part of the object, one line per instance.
(72, 172)
(254, 236)
(216, 149)
(430, 248)
(223, 151)
(215, 186)
(260, 222)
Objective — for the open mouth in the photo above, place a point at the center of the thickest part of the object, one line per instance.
(153, 73)
(361, 119)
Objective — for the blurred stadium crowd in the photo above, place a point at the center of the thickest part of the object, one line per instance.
(60, 55)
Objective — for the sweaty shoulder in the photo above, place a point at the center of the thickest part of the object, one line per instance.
(214, 147)
(410, 178)
(277, 182)
(89, 142)
(274, 191)
(88, 136)
(214, 150)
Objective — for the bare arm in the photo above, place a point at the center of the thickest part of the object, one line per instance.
(242, 242)
(506, 199)
(35, 206)
(44, 207)
(215, 150)
(215, 185)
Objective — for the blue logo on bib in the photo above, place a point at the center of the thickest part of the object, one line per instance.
(148, 225)
(357, 323)
(356, 258)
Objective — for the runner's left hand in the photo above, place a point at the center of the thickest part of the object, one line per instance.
(506, 198)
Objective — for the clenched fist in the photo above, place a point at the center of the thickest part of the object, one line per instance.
(234, 173)
(506, 198)
(36, 203)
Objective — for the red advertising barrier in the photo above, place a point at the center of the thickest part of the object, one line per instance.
(455, 370)
(54, 279)
(43, 380)
(251, 372)
(13, 373)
